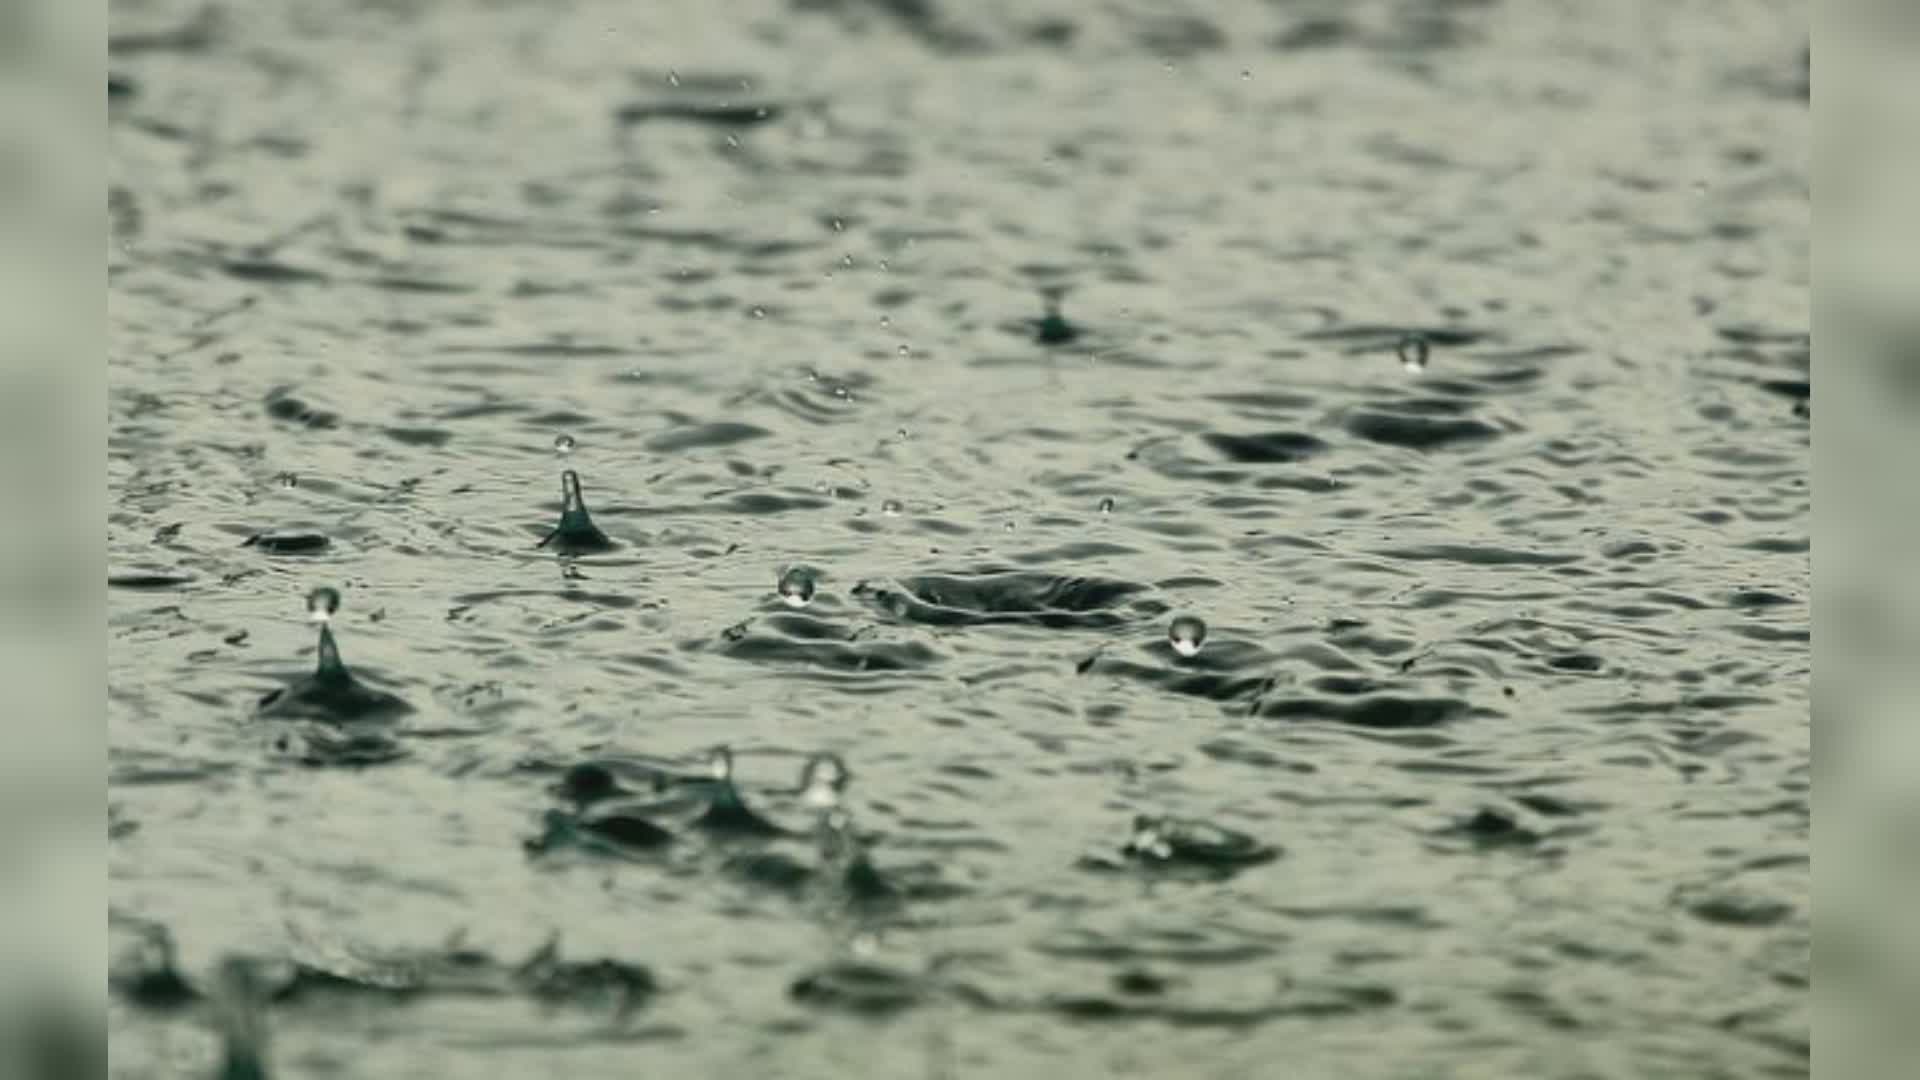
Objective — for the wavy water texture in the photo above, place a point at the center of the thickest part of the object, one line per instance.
(1028, 327)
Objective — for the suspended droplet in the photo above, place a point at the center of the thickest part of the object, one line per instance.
(822, 780)
(846, 260)
(720, 764)
(892, 508)
(673, 78)
(886, 321)
(1106, 505)
(288, 480)
(904, 350)
(839, 226)
(733, 141)
(563, 445)
(1009, 526)
(796, 586)
(1246, 74)
(322, 603)
(759, 313)
(1412, 351)
(1186, 634)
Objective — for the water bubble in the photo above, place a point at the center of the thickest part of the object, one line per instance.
(796, 586)
(892, 508)
(822, 780)
(1186, 634)
(322, 603)
(563, 445)
(1106, 505)
(1412, 351)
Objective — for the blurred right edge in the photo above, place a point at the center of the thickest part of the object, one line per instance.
(1866, 548)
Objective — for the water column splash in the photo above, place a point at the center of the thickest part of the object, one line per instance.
(1186, 634)
(1412, 351)
(797, 585)
(576, 534)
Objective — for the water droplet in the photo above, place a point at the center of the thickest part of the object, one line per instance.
(288, 480)
(1106, 505)
(796, 586)
(1009, 526)
(822, 780)
(758, 313)
(839, 226)
(1186, 634)
(733, 141)
(720, 764)
(673, 78)
(886, 321)
(1412, 351)
(846, 260)
(322, 603)
(843, 393)
(892, 508)
(904, 350)
(901, 435)
(563, 445)
(1244, 74)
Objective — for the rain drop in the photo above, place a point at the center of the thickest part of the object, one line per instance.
(759, 313)
(563, 445)
(1186, 634)
(1106, 505)
(720, 764)
(904, 350)
(1246, 74)
(892, 508)
(322, 603)
(886, 321)
(822, 780)
(1412, 351)
(673, 78)
(796, 586)
(288, 480)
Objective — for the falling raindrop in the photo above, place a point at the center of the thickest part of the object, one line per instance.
(720, 764)
(288, 480)
(673, 78)
(1106, 505)
(796, 586)
(886, 321)
(322, 603)
(563, 445)
(904, 350)
(892, 508)
(1186, 634)
(1412, 351)
(759, 313)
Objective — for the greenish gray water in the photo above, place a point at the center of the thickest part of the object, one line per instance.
(1506, 659)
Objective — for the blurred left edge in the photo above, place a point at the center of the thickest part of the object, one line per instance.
(53, 116)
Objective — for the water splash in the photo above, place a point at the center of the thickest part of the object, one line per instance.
(1412, 351)
(1186, 634)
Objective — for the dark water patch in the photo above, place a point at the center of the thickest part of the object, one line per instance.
(862, 989)
(705, 436)
(1756, 599)
(1477, 555)
(1224, 687)
(611, 601)
(1384, 712)
(612, 831)
(198, 34)
(1013, 597)
(148, 580)
(271, 272)
(1418, 432)
(1081, 551)
(327, 745)
(277, 542)
(432, 438)
(1272, 448)
(1379, 337)
(708, 114)
(282, 405)
(1584, 663)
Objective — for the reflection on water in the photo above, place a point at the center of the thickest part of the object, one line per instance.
(1296, 516)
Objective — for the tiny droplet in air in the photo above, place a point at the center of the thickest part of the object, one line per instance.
(322, 603)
